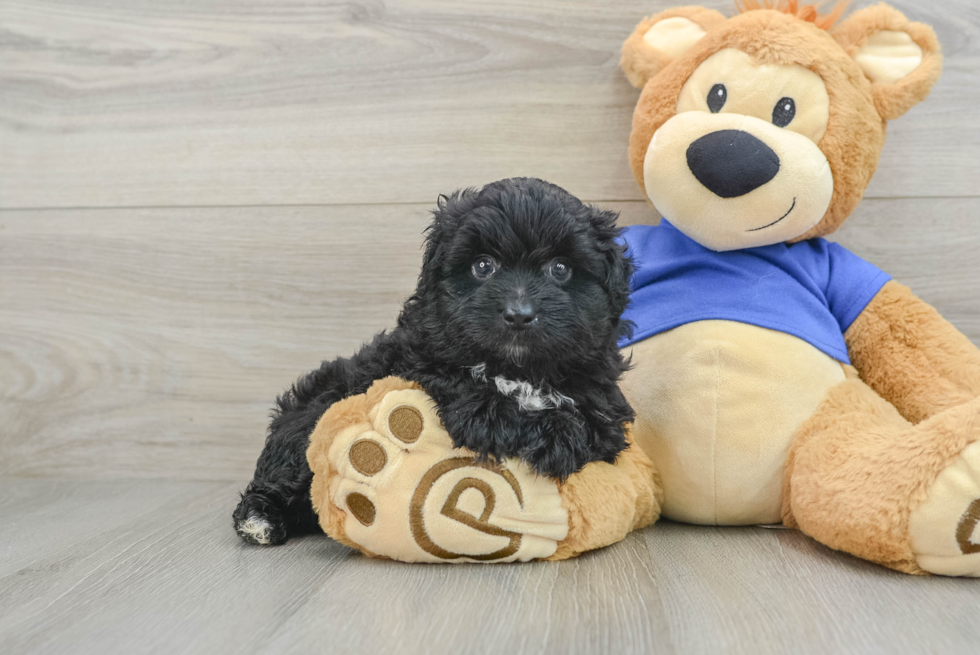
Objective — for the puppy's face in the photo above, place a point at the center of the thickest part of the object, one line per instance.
(523, 274)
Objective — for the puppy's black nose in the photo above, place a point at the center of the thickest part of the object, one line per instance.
(730, 163)
(519, 314)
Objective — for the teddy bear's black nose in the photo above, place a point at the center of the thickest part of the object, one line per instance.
(730, 163)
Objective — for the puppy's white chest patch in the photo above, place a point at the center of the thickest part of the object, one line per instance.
(529, 398)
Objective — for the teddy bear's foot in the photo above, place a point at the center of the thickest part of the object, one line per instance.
(388, 481)
(945, 527)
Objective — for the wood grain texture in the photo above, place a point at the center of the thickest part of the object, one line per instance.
(140, 348)
(152, 342)
(156, 568)
(144, 103)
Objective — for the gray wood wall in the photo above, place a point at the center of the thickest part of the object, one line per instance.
(200, 201)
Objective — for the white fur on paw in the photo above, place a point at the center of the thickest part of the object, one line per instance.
(256, 528)
(945, 528)
(409, 495)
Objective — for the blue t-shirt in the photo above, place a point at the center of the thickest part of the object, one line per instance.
(813, 289)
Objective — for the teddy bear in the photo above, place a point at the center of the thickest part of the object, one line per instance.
(777, 378)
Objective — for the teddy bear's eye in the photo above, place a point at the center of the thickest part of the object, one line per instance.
(784, 112)
(717, 97)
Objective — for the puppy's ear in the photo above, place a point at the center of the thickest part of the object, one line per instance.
(619, 267)
(443, 218)
(449, 210)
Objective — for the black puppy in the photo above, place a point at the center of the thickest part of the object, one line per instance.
(512, 330)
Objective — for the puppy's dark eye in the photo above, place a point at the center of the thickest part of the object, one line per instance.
(484, 267)
(560, 270)
(784, 112)
(717, 97)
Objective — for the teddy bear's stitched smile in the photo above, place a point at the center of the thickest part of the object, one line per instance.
(790, 211)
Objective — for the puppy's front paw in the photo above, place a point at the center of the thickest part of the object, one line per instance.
(258, 520)
(388, 481)
(560, 445)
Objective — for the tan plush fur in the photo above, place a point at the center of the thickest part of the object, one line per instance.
(912, 356)
(639, 61)
(605, 502)
(858, 469)
(893, 100)
(805, 12)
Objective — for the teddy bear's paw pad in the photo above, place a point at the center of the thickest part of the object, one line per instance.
(407, 494)
(945, 528)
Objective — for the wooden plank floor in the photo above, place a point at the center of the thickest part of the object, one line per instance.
(199, 201)
(134, 566)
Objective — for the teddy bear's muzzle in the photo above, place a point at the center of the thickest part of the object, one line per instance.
(731, 181)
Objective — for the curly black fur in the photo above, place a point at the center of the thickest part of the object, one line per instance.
(453, 339)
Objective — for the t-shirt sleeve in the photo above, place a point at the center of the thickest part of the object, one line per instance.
(641, 241)
(852, 284)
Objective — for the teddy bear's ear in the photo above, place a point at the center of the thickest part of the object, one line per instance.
(901, 58)
(660, 39)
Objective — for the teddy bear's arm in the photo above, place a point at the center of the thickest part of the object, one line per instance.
(911, 356)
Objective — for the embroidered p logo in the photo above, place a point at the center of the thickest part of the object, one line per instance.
(451, 510)
(966, 528)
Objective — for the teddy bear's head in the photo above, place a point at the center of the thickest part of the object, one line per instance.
(767, 127)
